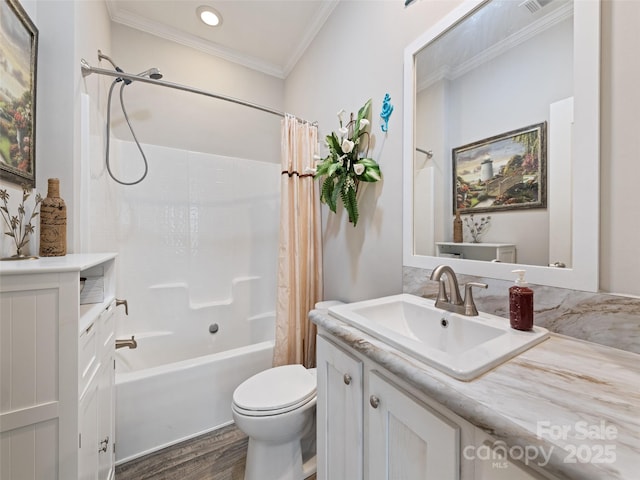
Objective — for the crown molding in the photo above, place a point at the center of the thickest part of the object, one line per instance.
(314, 28)
(133, 20)
(512, 41)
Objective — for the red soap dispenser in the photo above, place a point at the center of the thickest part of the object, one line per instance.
(521, 304)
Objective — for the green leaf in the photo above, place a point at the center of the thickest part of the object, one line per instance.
(336, 191)
(368, 162)
(371, 170)
(333, 168)
(362, 113)
(326, 194)
(351, 204)
(334, 143)
(322, 167)
(371, 174)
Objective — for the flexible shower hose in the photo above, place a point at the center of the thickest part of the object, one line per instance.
(126, 116)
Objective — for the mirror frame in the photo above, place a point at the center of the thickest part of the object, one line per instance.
(586, 183)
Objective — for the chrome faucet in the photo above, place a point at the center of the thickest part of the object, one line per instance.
(453, 302)
(129, 343)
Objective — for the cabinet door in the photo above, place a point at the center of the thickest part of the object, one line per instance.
(88, 439)
(106, 396)
(30, 315)
(406, 439)
(339, 413)
(105, 421)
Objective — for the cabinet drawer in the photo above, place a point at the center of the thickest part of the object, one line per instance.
(87, 356)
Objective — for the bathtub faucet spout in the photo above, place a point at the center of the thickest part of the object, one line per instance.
(130, 343)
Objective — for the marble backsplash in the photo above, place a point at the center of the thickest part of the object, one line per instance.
(602, 318)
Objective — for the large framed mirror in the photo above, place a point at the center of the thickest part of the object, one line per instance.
(475, 83)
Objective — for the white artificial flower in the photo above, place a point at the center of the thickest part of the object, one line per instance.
(363, 123)
(347, 145)
(310, 171)
(341, 115)
(317, 157)
(358, 168)
(343, 131)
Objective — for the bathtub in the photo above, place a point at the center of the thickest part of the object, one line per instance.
(169, 390)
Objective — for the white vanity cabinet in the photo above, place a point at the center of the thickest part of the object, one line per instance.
(56, 368)
(376, 426)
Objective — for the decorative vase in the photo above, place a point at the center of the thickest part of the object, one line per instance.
(457, 228)
(53, 222)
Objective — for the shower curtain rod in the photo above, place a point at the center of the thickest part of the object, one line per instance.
(88, 70)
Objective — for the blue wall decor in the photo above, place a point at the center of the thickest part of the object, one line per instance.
(387, 109)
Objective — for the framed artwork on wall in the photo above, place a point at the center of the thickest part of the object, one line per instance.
(18, 62)
(504, 172)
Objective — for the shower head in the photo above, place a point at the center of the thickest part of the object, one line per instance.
(152, 73)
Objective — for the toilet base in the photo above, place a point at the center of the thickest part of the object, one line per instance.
(267, 461)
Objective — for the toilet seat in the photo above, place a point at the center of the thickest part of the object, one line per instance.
(275, 391)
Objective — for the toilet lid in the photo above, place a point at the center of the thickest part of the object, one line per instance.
(276, 389)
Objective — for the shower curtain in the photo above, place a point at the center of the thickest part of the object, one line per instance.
(300, 247)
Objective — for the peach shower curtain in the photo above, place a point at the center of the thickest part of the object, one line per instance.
(300, 249)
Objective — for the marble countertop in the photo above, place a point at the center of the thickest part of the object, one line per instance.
(575, 405)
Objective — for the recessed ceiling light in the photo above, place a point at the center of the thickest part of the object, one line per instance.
(209, 15)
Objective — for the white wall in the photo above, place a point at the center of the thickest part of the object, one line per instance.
(177, 119)
(358, 55)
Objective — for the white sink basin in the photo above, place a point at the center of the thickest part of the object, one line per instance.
(460, 346)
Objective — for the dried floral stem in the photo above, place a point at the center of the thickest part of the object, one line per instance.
(477, 228)
(19, 230)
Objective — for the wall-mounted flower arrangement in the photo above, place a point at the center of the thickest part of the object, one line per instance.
(347, 163)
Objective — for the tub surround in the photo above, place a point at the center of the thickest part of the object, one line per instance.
(606, 319)
(556, 384)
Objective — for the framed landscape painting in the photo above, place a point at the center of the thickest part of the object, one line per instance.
(18, 61)
(504, 172)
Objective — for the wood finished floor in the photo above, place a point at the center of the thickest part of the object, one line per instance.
(218, 455)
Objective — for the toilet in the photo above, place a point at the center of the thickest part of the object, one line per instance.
(276, 410)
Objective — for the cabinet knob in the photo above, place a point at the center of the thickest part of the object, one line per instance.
(123, 302)
(374, 401)
(347, 379)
